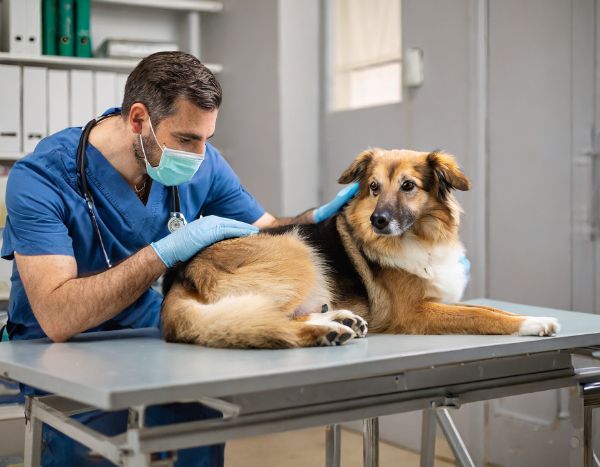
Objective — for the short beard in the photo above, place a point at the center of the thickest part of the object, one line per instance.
(138, 153)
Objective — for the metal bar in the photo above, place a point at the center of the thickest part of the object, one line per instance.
(333, 445)
(371, 442)
(455, 441)
(103, 445)
(208, 432)
(33, 436)
(228, 409)
(588, 453)
(428, 429)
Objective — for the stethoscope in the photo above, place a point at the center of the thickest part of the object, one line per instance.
(176, 217)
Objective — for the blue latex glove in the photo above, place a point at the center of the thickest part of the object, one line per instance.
(184, 243)
(466, 265)
(329, 209)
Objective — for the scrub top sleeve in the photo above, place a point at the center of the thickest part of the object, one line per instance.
(36, 212)
(228, 198)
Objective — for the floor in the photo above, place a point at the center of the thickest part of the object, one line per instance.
(306, 448)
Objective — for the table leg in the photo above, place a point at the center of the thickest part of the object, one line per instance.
(371, 442)
(333, 445)
(33, 436)
(454, 439)
(428, 438)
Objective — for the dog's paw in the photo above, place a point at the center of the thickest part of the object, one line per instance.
(336, 334)
(538, 326)
(353, 321)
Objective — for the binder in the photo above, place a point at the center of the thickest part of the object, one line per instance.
(83, 45)
(104, 91)
(10, 110)
(49, 23)
(58, 100)
(120, 91)
(34, 27)
(66, 27)
(34, 107)
(81, 97)
(14, 26)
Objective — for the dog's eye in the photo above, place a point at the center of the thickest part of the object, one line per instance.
(407, 185)
(374, 186)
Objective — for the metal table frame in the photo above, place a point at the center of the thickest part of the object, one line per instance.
(288, 409)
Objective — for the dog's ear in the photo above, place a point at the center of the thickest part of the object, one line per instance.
(358, 167)
(446, 173)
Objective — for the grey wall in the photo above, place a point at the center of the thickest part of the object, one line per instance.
(438, 115)
(299, 103)
(244, 37)
(268, 127)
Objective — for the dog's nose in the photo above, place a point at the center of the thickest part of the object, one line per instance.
(380, 220)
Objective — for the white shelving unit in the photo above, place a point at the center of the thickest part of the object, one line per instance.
(55, 61)
(192, 10)
(183, 5)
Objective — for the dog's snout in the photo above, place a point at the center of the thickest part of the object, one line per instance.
(380, 220)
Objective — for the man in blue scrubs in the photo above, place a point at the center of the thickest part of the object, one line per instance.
(61, 285)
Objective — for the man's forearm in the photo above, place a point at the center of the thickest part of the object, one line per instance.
(83, 303)
(305, 218)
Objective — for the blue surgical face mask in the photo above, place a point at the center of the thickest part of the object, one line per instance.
(175, 167)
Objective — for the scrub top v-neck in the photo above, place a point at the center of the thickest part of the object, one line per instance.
(46, 215)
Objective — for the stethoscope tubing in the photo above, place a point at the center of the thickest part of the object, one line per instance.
(176, 218)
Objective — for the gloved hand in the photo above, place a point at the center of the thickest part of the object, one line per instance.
(466, 264)
(185, 242)
(329, 209)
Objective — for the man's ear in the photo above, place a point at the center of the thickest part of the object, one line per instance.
(447, 173)
(358, 167)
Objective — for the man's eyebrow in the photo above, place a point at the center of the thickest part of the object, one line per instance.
(192, 136)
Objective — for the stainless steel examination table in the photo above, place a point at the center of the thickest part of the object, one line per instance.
(263, 391)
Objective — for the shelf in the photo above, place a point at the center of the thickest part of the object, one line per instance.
(14, 156)
(183, 5)
(55, 61)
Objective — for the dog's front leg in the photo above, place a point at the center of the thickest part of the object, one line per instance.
(439, 318)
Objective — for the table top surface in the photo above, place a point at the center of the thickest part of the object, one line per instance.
(119, 369)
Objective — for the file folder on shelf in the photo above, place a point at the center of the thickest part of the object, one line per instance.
(58, 100)
(49, 23)
(81, 97)
(14, 26)
(104, 91)
(10, 110)
(83, 45)
(35, 125)
(66, 28)
(34, 26)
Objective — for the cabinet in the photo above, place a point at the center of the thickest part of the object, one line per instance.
(174, 20)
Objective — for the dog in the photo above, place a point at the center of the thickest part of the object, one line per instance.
(389, 262)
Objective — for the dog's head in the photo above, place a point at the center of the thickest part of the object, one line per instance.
(404, 192)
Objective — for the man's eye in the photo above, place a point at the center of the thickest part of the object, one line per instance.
(184, 140)
(407, 185)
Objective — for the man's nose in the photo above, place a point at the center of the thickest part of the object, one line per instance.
(380, 220)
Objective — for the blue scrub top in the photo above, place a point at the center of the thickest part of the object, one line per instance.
(46, 215)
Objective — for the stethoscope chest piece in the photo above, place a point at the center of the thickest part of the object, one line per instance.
(176, 221)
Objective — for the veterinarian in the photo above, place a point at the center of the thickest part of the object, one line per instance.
(89, 243)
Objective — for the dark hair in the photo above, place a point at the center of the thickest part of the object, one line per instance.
(161, 78)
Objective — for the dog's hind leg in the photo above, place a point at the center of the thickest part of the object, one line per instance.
(245, 321)
(439, 318)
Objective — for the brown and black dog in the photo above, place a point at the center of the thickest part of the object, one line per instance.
(392, 257)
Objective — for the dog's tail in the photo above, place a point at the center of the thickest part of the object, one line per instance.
(242, 321)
